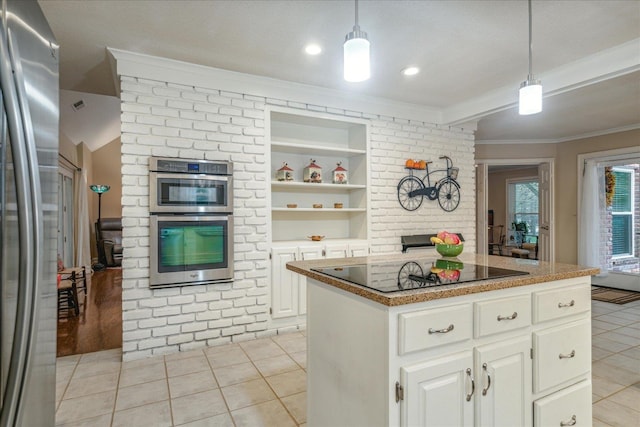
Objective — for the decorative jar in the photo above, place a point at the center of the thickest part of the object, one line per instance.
(340, 174)
(312, 173)
(285, 173)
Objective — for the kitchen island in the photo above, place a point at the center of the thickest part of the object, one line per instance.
(420, 342)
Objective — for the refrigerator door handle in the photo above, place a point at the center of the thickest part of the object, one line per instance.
(21, 137)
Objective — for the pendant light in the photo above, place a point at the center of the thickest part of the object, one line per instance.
(356, 54)
(531, 89)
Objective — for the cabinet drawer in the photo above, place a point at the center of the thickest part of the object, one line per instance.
(424, 329)
(564, 407)
(500, 315)
(549, 305)
(561, 353)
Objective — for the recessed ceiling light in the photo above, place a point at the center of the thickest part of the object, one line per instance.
(411, 71)
(313, 49)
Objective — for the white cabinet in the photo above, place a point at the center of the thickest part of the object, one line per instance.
(346, 249)
(503, 383)
(288, 289)
(480, 372)
(490, 388)
(289, 294)
(439, 392)
(342, 210)
(565, 408)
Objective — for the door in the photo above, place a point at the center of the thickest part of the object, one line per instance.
(545, 249)
(284, 283)
(482, 225)
(306, 253)
(439, 393)
(65, 215)
(503, 374)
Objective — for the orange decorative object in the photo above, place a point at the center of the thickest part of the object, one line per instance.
(410, 164)
(422, 164)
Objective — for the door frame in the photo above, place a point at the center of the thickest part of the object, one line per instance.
(482, 222)
(616, 280)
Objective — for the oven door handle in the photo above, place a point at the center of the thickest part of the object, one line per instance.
(183, 176)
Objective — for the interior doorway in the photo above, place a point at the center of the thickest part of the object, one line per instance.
(515, 207)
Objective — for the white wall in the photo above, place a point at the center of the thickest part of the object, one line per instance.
(164, 115)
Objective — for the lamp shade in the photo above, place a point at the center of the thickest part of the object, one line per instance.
(99, 188)
(356, 57)
(530, 97)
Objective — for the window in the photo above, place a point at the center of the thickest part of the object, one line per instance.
(622, 213)
(523, 203)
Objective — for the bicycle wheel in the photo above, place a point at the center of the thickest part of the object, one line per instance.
(448, 195)
(406, 186)
(411, 268)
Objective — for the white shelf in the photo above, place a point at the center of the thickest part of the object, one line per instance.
(293, 148)
(308, 186)
(321, 210)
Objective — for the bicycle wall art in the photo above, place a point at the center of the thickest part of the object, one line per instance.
(412, 189)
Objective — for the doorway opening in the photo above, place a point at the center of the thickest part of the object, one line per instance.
(609, 216)
(515, 208)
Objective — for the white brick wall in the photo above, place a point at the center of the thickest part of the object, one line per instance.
(172, 120)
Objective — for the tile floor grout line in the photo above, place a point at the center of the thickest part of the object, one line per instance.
(215, 378)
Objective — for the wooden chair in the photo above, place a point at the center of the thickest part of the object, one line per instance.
(67, 297)
(500, 241)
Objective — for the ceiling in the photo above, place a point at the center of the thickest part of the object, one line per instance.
(472, 54)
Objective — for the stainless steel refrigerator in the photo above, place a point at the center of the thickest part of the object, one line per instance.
(28, 207)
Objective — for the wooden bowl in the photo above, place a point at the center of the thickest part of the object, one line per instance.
(292, 205)
(317, 205)
(316, 238)
(338, 205)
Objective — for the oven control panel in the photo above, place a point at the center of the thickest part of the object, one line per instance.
(161, 164)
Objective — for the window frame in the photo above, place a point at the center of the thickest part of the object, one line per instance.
(510, 214)
(622, 169)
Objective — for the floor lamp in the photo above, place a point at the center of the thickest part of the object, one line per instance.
(99, 189)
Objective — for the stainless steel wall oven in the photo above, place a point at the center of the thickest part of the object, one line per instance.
(190, 222)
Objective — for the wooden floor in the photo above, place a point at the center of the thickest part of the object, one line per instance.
(99, 325)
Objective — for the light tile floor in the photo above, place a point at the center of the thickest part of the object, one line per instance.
(616, 364)
(263, 382)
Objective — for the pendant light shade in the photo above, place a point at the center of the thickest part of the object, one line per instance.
(530, 99)
(357, 64)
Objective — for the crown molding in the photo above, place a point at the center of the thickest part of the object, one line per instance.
(604, 65)
(560, 140)
(168, 70)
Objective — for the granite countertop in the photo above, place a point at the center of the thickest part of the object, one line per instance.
(539, 272)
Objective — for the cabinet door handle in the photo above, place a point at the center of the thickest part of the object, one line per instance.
(302, 256)
(513, 316)
(567, 356)
(569, 304)
(352, 254)
(294, 257)
(345, 253)
(485, 390)
(571, 422)
(473, 385)
(441, 331)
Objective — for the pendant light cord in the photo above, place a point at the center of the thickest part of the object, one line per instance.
(530, 42)
(357, 27)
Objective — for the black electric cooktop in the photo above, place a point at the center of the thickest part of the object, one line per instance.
(399, 276)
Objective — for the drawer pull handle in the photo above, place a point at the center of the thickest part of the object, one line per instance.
(571, 422)
(513, 316)
(473, 385)
(570, 304)
(441, 331)
(485, 390)
(567, 356)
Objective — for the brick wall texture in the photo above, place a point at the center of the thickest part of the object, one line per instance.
(172, 120)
